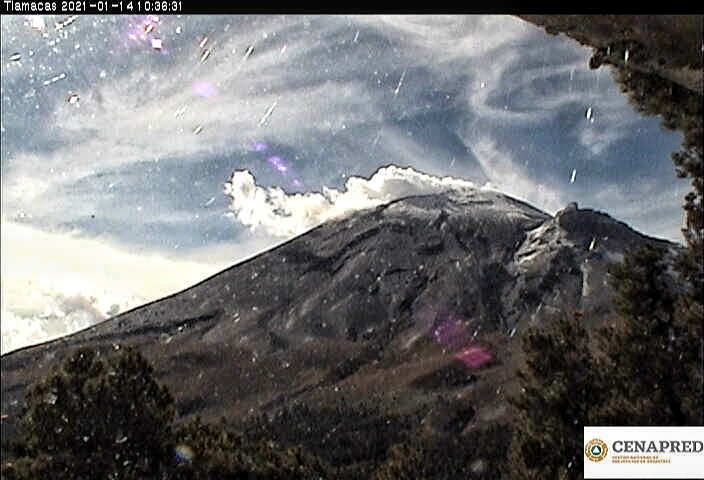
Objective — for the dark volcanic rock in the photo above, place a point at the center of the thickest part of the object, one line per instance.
(668, 46)
(379, 302)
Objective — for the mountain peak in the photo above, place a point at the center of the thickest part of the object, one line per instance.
(426, 276)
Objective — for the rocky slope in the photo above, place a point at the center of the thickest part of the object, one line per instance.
(415, 301)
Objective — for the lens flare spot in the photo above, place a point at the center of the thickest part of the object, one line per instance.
(184, 453)
(278, 163)
(260, 147)
(474, 356)
(205, 89)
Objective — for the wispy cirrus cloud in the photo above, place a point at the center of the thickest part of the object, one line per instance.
(139, 161)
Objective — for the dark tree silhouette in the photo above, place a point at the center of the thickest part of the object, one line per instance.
(558, 395)
(652, 366)
(97, 417)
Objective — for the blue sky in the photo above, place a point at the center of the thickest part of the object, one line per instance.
(119, 134)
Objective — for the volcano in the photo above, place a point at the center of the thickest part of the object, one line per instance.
(415, 301)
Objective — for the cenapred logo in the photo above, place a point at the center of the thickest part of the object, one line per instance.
(643, 452)
(596, 450)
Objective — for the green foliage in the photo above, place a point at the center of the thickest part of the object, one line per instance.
(645, 371)
(652, 365)
(558, 395)
(96, 415)
(216, 453)
(106, 417)
(680, 109)
(476, 455)
(403, 462)
(342, 434)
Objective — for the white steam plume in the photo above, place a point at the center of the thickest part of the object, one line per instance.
(285, 215)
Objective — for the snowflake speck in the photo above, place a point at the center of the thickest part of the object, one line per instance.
(16, 57)
(65, 23)
(204, 55)
(268, 113)
(36, 22)
(197, 129)
(400, 83)
(248, 52)
(157, 43)
(73, 99)
(54, 79)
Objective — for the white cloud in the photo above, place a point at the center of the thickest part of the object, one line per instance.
(54, 283)
(661, 216)
(508, 177)
(284, 215)
(496, 72)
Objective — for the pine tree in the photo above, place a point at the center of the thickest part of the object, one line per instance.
(652, 368)
(403, 462)
(96, 417)
(558, 395)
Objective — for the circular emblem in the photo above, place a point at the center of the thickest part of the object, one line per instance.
(596, 450)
